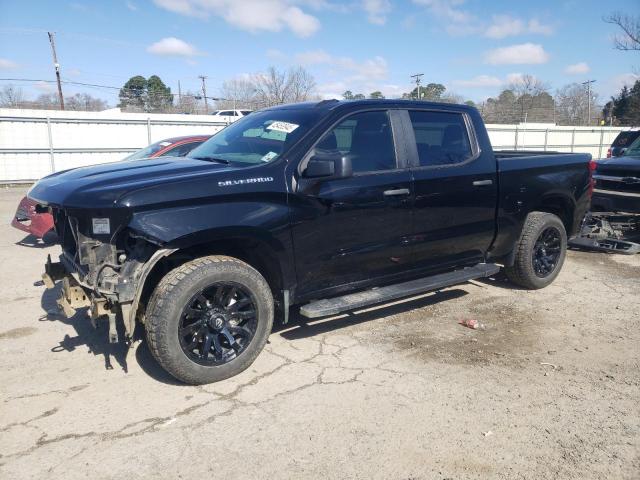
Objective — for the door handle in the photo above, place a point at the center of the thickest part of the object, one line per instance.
(480, 183)
(399, 191)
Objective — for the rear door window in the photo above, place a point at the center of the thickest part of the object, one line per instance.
(442, 138)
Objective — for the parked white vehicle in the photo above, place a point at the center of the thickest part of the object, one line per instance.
(229, 116)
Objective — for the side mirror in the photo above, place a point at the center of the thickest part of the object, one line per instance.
(325, 164)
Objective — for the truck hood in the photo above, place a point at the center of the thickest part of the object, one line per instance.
(105, 185)
(619, 166)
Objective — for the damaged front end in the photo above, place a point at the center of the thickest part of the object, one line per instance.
(103, 266)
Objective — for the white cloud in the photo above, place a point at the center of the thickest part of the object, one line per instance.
(377, 10)
(624, 80)
(453, 17)
(331, 90)
(335, 89)
(314, 57)
(523, 54)
(371, 69)
(44, 87)
(131, 6)
(276, 55)
(449, 9)
(5, 63)
(514, 78)
(536, 27)
(251, 15)
(503, 26)
(173, 47)
(480, 81)
(577, 68)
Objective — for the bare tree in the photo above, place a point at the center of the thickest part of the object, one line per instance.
(85, 102)
(572, 104)
(237, 93)
(451, 97)
(188, 103)
(629, 39)
(277, 87)
(47, 101)
(11, 97)
(301, 85)
(530, 93)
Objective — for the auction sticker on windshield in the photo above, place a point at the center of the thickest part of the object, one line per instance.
(285, 127)
(269, 156)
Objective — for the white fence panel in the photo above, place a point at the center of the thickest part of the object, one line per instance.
(34, 143)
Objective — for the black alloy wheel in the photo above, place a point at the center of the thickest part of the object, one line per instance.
(218, 324)
(546, 252)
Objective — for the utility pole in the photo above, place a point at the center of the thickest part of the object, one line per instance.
(588, 84)
(57, 67)
(204, 93)
(179, 94)
(417, 77)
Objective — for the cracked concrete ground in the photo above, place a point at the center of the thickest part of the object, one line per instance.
(548, 390)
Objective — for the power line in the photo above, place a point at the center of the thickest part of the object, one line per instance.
(57, 67)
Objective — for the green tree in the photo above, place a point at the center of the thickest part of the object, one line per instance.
(133, 93)
(376, 94)
(148, 95)
(159, 96)
(430, 92)
(359, 96)
(348, 95)
(626, 106)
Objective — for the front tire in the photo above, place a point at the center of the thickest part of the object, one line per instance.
(540, 251)
(208, 319)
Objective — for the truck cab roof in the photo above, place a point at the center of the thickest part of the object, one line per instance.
(334, 104)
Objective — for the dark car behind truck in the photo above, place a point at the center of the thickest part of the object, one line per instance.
(617, 187)
(309, 205)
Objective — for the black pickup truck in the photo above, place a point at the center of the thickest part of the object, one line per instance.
(328, 206)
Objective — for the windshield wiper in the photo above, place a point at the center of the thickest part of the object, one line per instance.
(213, 159)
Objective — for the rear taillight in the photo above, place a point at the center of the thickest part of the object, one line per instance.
(609, 154)
(592, 183)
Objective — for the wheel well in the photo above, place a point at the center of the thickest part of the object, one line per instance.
(254, 252)
(560, 207)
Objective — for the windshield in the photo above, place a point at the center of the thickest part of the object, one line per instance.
(257, 138)
(634, 149)
(147, 151)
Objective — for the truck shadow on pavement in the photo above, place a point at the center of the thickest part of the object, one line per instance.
(96, 340)
(34, 242)
(299, 327)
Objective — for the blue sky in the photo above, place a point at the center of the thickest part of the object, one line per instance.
(473, 47)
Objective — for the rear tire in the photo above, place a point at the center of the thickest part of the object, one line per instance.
(540, 251)
(208, 319)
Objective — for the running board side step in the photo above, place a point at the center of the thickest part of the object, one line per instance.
(352, 301)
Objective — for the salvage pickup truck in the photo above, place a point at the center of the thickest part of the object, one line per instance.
(328, 206)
